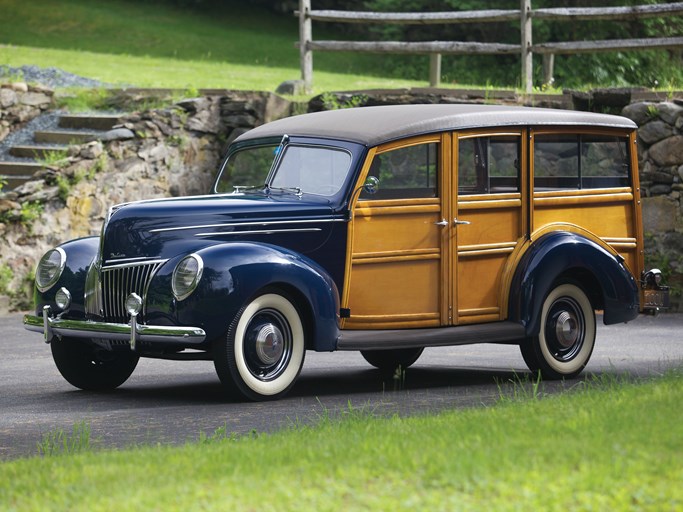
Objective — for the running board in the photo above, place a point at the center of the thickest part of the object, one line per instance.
(494, 332)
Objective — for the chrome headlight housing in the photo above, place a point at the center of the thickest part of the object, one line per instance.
(50, 268)
(186, 276)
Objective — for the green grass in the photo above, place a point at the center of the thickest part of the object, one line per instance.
(141, 44)
(611, 446)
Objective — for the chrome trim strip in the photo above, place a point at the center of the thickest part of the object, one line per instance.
(235, 224)
(261, 232)
(111, 331)
(106, 266)
(126, 260)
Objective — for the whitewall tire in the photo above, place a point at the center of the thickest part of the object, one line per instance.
(264, 349)
(567, 334)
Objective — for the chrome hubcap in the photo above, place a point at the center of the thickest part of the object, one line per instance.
(269, 344)
(566, 329)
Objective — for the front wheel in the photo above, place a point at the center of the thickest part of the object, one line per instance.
(89, 367)
(389, 360)
(263, 352)
(567, 334)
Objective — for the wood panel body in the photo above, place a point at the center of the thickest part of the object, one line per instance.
(405, 270)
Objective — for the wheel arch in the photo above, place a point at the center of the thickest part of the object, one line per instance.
(302, 302)
(563, 256)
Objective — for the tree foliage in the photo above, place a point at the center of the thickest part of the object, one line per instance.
(641, 68)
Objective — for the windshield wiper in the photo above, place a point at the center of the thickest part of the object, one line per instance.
(294, 190)
(238, 189)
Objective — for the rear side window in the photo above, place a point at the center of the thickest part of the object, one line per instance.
(488, 165)
(580, 162)
(408, 172)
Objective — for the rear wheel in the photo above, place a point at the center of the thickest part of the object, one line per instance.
(389, 360)
(89, 367)
(263, 352)
(567, 334)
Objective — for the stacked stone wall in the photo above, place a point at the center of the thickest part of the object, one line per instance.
(19, 104)
(660, 152)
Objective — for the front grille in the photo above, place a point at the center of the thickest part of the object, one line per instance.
(119, 281)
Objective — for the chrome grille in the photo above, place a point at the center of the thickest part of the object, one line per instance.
(119, 281)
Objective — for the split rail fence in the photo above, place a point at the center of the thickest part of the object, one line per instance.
(525, 16)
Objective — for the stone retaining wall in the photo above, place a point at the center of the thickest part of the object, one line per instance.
(176, 151)
(660, 151)
(20, 103)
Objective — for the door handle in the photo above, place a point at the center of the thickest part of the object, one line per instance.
(463, 222)
(442, 222)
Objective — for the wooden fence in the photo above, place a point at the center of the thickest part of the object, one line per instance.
(525, 15)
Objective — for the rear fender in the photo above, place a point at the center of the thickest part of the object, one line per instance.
(568, 256)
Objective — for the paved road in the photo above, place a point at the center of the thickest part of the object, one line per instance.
(172, 402)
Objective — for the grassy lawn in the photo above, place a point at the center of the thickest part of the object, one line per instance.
(141, 44)
(610, 446)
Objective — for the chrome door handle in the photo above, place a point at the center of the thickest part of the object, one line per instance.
(442, 222)
(463, 222)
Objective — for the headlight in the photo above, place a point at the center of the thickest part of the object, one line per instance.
(187, 275)
(50, 268)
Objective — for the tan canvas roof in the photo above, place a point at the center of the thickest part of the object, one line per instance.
(374, 125)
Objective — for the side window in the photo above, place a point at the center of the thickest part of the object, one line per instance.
(409, 172)
(604, 162)
(488, 165)
(580, 162)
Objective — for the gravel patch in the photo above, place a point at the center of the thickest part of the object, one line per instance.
(48, 77)
(24, 137)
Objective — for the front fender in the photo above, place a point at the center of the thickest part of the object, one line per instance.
(236, 272)
(80, 253)
(564, 255)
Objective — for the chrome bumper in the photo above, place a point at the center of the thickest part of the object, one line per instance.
(133, 332)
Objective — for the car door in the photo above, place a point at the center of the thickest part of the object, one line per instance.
(397, 264)
(489, 220)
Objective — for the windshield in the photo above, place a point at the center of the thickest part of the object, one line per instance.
(302, 169)
(247, 168)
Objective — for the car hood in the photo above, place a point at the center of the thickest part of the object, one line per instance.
(168, 227)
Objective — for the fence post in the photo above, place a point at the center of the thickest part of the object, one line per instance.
(525, 29)
(434, 69)
(305, 37)
(548, 64)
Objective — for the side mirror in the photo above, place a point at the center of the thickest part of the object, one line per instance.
(371, 185)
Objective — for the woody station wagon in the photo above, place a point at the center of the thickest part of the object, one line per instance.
(379, 229)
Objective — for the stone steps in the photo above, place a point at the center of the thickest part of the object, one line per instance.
(17, 173)
(64, 137)
(89, 122)
(35, 152)
(73, 129)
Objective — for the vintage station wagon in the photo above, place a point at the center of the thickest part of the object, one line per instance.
(380, 229)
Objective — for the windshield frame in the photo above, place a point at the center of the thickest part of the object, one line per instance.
(356, 151)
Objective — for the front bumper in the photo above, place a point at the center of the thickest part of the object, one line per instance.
(133, 332)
